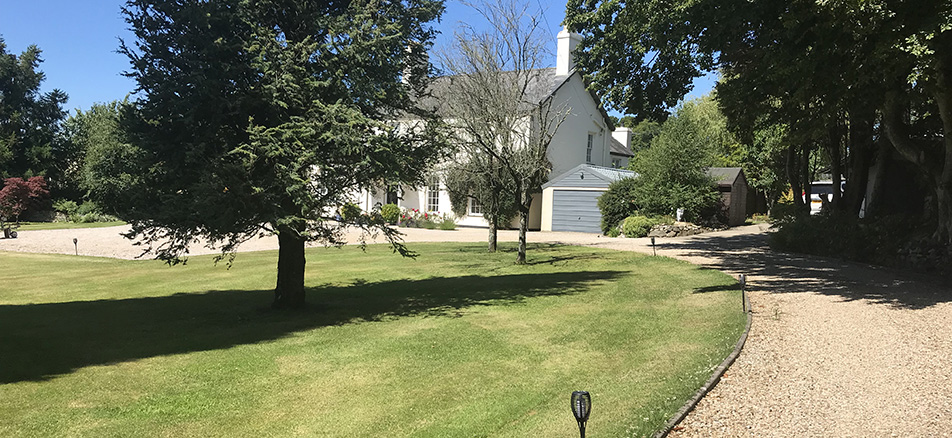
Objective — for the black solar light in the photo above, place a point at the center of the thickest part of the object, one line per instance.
(655, 250)
(581, 407)
(76, 245)
(742, 279)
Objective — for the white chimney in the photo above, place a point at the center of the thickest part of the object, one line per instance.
(623, 136)
(564, 63)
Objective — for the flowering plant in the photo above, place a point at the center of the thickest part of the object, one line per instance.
(414, 218)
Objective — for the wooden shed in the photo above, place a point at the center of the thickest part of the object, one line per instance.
(732, 184)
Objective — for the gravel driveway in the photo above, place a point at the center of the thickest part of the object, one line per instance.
(836, 348)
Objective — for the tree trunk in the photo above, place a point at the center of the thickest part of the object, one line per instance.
(794, 175)
(790, 168)
(836, 165)
(883, 154)
(937, 167)
(493, 233)
(943, 97)
(861, 154)
(806, 179)
(523, 230)
(289, 292)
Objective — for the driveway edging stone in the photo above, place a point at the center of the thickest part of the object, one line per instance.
(711, 383)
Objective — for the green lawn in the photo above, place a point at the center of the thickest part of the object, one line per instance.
(456, 343)
(32, 226)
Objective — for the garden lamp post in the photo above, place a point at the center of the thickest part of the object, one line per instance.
(76, 245)
(653, 248)
(742, 279)
(581, 408)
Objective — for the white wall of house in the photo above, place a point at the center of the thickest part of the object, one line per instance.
(584, 123)
(584, 118)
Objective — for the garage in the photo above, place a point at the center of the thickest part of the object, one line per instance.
(570, 201)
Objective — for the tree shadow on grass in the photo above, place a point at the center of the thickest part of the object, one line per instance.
(41, 341)
(720, 288)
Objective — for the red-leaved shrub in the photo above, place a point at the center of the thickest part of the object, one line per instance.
(19, 195)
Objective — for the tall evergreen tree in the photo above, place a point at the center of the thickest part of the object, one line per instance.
(264, 116)
(29, 120)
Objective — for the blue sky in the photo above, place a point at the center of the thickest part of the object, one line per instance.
(79, 39)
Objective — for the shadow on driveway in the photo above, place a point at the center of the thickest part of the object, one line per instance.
(778, 272)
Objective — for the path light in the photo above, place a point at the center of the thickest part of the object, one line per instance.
(655, 250)
(742, 279)
(76, 245)
(581, 407)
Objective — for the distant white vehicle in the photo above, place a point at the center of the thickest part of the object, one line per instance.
(820, 190)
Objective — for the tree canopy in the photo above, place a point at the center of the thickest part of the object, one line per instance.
(823, 71)
(265, 116)
(18, 195)
(106, 167)
(30, 144)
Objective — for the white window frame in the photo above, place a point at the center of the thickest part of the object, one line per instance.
(590, 145)
(433, 193)
(475, 208)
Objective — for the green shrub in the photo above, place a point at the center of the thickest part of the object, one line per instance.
(878, 240)
(86, 218)
(783, 211)
(447, 224)
(613, 232)
(390, 213)
(88, 208)
(65, 207)
(617, 203)
(350, 211)
(84, 213)
(637, 226)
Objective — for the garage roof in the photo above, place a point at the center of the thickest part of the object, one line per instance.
(597, 176)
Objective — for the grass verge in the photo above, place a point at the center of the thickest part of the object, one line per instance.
(34, 226)
(454, 343)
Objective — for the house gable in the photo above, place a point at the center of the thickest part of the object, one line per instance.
(585, 119)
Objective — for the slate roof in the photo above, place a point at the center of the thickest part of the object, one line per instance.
(541, 85)
(611, 174)
(619, 149)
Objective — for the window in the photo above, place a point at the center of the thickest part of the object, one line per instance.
(475, 208)
(433, 194)
(616, 163)
(588, 148)
(393, 197)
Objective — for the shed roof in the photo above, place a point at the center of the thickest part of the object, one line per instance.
(724, 176)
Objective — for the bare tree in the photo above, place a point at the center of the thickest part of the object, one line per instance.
(479, 176)
(499, 99)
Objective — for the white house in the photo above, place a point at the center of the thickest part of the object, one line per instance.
(586, 137)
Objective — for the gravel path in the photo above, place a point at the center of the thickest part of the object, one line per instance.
(836, 349)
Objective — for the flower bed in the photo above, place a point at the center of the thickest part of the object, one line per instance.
(414, 218)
